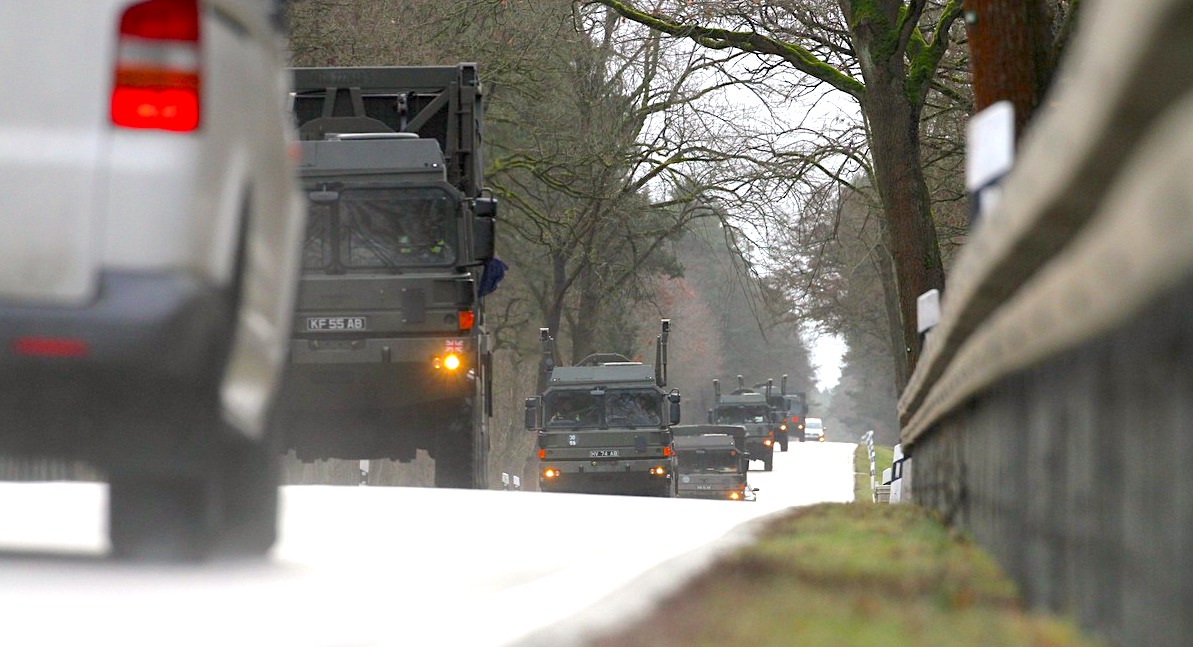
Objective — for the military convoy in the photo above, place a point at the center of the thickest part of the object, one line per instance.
(711, 462)
(389, 352)
(603, 426)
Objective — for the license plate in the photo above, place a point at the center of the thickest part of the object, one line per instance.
(603, 453)
(337, 324)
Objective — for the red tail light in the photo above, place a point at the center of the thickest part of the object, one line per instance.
(49, 347)
(157, 67)
(466, 319)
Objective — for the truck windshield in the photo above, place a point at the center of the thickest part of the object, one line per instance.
(618, 408)
(571, 409)
(722, 462)
(737, 414)
(382, 229)
(637, 408)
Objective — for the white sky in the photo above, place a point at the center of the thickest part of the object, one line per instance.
(826, 359)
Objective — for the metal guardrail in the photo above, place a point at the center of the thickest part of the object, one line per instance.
(1083, 236)
(1049, 413)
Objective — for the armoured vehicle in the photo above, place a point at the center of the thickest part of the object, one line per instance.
(787, 410)
(711, 462)
(389, 353)
(150, 233)
(748, 408)
(604, 425)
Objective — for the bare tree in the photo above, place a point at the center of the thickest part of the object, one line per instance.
(884, 55)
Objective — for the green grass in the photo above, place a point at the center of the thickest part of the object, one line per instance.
(851, 574)
(884, 457)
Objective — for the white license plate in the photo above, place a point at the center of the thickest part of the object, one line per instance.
(603, 453)
(337, 324)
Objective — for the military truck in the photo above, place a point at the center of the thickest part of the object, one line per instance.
(604, 425)
(389, 353)
(748, 408)
(711, 462)
(794, 413)
(787, 410)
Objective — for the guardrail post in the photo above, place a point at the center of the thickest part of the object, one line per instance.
(868, 438)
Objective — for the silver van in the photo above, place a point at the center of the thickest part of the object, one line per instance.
(151, 233)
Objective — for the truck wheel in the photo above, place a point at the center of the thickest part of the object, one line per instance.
(455, 456)
(768, 463)
(161, 518)
(783, 444)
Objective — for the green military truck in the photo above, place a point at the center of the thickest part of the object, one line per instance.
(748, 408)
(793, 412)
(389, 352)
(711, 462)
(604, 425)
(787, 410)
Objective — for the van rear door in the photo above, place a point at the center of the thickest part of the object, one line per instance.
(57, 57)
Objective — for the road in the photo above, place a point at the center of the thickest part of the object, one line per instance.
(360, 566)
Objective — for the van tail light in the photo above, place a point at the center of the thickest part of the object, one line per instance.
(157, 67)
(64, 347)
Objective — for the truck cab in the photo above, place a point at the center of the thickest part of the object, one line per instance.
(750, 409)
(604, 425)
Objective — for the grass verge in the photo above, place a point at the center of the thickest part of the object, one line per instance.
(850, 574)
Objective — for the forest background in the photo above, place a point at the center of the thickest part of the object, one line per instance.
(711, 162)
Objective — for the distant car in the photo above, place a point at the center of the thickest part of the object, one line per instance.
(814, 429)
(152, 231)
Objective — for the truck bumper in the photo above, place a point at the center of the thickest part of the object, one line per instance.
(632, 477)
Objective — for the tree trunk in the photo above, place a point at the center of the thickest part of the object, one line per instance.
(588, 313)
(892, 119)
(554, 314)
(884, 266)
(1011, 49)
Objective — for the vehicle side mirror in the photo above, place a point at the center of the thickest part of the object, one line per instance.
(673, 399)
(484, 207)
(484, 238)
(532, 413)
